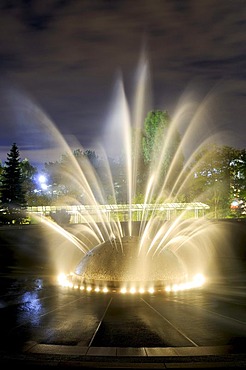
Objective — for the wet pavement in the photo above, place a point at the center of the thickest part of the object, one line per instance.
(43, 325)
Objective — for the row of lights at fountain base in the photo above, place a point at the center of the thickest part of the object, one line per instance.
(67, 282)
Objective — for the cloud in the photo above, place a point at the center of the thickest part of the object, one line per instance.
(67, 54)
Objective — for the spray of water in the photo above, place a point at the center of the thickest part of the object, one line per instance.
(162, 251)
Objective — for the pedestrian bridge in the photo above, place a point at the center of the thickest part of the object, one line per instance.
(123, 212)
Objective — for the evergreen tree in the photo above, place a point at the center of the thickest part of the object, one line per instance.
(13, 200)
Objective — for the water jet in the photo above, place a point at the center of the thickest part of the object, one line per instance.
(166, 250)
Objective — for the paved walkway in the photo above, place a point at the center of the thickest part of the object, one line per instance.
(43, 356)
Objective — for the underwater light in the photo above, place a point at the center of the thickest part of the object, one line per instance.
(67, 281)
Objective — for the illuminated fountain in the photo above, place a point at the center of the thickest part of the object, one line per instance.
(163, 254)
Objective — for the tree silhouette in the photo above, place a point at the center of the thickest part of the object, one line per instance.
(13, 200)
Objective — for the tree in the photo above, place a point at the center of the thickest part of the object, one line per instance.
(238, 183)
(13, 199)
(73, 175)
(161, 149)
(28, 173)
(217, 177)
(155, 125)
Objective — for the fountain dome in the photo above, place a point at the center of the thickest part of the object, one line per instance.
(119, 262)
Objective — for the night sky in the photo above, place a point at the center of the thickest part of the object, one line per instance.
(60, 61)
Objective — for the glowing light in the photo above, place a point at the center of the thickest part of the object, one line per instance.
(42, 179)
(234, 204)
(68, 281)
(62, 279)
(199, 280)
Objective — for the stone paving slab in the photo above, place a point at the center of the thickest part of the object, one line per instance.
(32, 347)
(44, 356)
